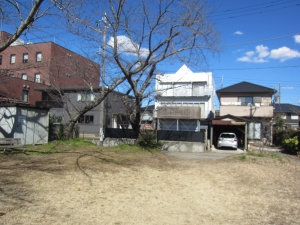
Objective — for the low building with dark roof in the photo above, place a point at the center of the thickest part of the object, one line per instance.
(288, 112)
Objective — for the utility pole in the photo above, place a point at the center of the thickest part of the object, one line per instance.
(279, 92)
(222, 82)
(101, 132)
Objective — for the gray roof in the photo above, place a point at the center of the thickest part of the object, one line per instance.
(286, 108)
(148, 108)
(246, 87)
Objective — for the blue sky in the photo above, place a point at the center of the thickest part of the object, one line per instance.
(259, 45)
(258, 40)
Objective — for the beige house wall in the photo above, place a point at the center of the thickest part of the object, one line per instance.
(266, 99)
(247, 111)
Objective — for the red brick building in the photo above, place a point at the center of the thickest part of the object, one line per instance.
(24, 67)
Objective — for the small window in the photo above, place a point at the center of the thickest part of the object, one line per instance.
(81, 119)
(245, 101)
(25, 96)
(12, 59)
(283, 116)
(24, 76)
(85, 97)
(89, 119)
(0, 59)
(86, 119)
(294, 117)
(25, 58)
(37, 78)
(38, 56)
(11, 75)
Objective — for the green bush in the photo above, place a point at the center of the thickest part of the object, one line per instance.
(148, 140)
(280, 136)
(290, 145)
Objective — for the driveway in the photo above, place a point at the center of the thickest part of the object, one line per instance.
(214, 154)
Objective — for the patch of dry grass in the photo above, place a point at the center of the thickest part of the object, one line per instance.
(94, 185)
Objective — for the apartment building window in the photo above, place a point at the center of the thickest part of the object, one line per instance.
(0, 59)
(38, 56)
(87, 119)
(294, 116)
(25, 96)
(11, 75)
(12, 59)
(24, 76)
(37, 78)
(283, 116)
(25, 58)
(85, 96)
(246, 100)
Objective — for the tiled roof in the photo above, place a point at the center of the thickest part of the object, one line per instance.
(286, 108)
(246, 87)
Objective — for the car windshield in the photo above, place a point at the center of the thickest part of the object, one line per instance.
(227, 135)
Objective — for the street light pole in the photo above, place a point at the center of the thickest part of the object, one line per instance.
(102, 78)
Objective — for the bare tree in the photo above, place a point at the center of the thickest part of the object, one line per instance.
(12, 11)
(147, 33)
(142, 35)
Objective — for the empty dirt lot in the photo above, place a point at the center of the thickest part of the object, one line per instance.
(91, 185)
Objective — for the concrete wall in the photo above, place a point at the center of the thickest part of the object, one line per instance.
(178, 146)
(29, 124)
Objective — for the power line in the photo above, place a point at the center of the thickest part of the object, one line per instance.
(267, 39)
(231, 17)
(255, 7)
(258, 68)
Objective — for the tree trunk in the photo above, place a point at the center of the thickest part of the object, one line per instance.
(70, 130)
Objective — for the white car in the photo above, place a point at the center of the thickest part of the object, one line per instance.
(227, 139)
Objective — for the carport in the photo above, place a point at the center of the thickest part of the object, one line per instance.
(232, 124)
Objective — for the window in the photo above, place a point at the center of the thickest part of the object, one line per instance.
(12, 59)
(25, 58)
(254, 131)
(0, 59)
(294, 117)
(88, 119)
(37, 78)
(11, 75)
(24, 76)
(25, 96)
(85, 97)
(246, 100)
(38, 56)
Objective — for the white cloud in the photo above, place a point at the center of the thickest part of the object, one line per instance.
(127, 46)
(262, 51)
(262, 54)
(284, 53)
(238, 33)
(257, 56)
(297, 38)
(249, 54)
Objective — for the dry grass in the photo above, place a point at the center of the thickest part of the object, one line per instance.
(93, 185)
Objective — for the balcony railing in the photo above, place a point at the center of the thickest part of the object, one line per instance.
(245, 104)
(185, 92)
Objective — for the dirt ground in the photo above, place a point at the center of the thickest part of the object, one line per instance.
(96, 186)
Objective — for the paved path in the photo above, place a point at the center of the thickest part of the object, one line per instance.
(215, 154)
